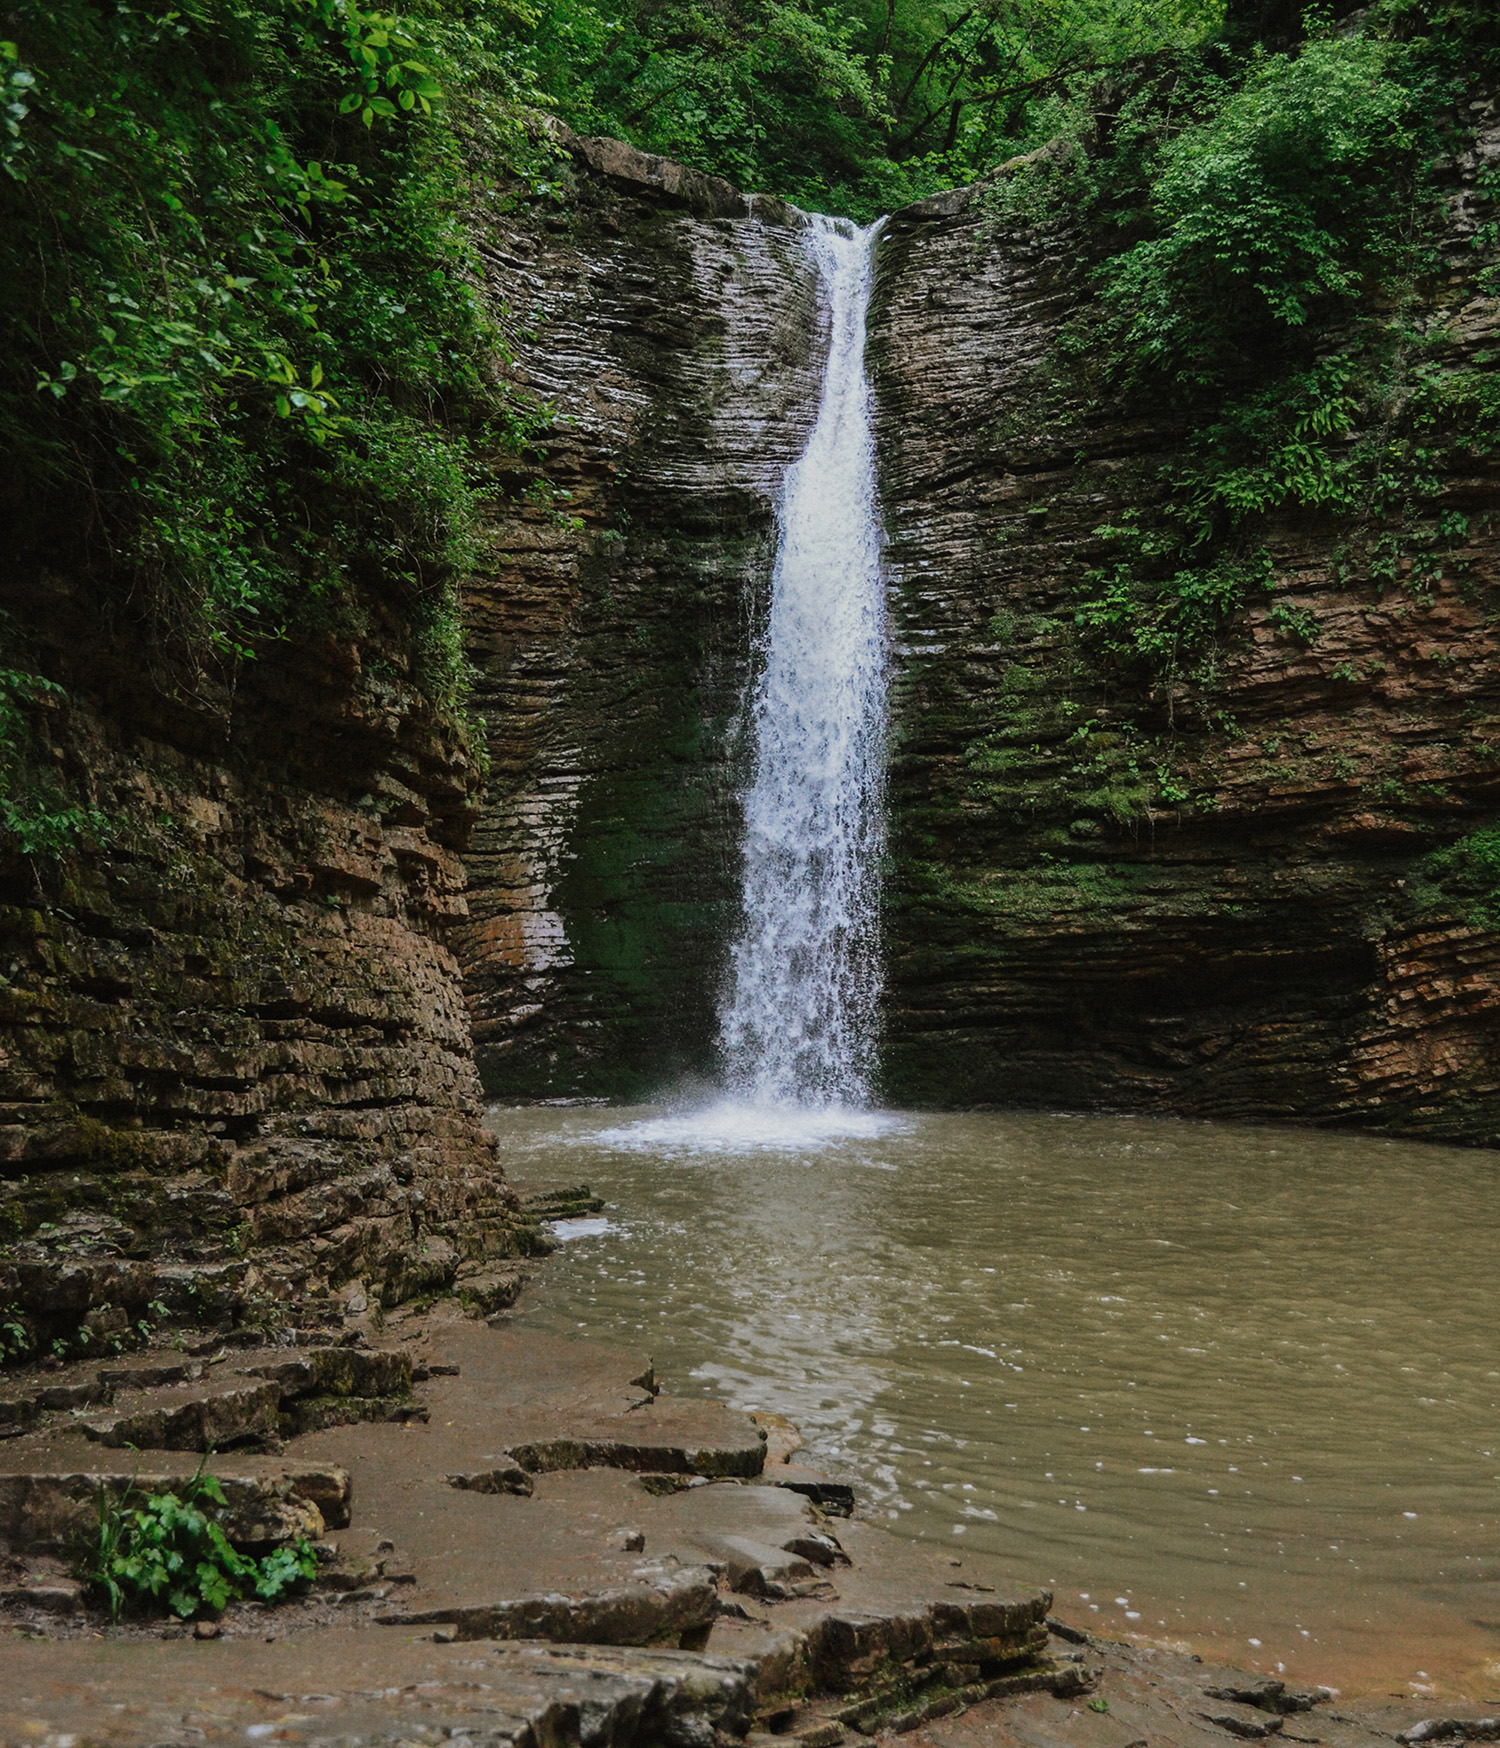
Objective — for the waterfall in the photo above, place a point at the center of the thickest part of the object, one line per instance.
(798, 1021)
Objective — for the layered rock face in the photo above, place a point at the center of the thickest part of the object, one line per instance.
(1201, 898)
(675, 326)
(235, 1069)
(1204, 899)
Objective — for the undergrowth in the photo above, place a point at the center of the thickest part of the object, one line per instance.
(246, 365)
(171, 1552)
(1268, 230)
(1464, 875)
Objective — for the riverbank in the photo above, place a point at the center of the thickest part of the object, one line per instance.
(536, 1543)
(1174, 1372)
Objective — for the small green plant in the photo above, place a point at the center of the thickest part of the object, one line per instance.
(1469, 872)
(1299, 622)
(172, 1551)
(36, 817)
(16, 1338)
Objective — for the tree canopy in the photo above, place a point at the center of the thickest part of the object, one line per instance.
(853, 105)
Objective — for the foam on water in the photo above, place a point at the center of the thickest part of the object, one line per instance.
(741, 1126)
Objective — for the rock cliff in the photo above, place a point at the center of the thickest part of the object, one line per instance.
(674, 326)
(237, 1073)
(235, 1069)
(1205, 898)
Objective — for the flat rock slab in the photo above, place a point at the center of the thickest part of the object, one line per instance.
(660, 1607)
(369, 1688)
(153, 1403)
(1160, 1698)
(190, 1417)
(561, 1404)
(51, 1512)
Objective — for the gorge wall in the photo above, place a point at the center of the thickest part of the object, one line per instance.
(675, 327)
(1206, 897)
(237, 1073)
(1102, 891)
(235, 1067)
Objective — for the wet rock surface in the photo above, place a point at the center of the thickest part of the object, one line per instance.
(235, 1065)
(597, 1608)
(1107, 890)
(1198, 896)
(675, 327)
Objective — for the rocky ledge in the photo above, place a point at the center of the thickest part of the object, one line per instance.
(668, 1577)
(236, 1077)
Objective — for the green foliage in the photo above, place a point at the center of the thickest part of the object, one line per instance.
(1468, 872)
(1279, 206)
(244, 358)
(1287, 203)
(1135, 613)
(37, 817)
(17, 1337)
(855, 106)
(1298, 622)
(171, 1552)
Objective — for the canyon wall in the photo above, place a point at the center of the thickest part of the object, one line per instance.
(1207, 897)
(675, 327)
(235, 1066)
(238, 1064)
(1204, 898)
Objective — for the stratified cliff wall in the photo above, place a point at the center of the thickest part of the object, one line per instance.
(1207, 898)
(676, 329)
(235, 1066)
(1202, 899)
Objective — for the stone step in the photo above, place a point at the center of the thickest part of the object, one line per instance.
(756, 1568)
(155, 1403)
(48, 1513)
(560, 1202)
(190, 1417)
(671, 1606)
(890, 1668)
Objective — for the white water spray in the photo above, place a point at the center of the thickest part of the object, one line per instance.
(799, 1018)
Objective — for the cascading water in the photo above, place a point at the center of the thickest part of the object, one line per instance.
(797, 1027)
(798, 1022)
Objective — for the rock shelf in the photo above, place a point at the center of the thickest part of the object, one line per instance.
(707, 1601)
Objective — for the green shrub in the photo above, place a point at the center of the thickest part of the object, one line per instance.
(1289, 203)
(1278, 208)
(245, 361)
(1467, 872)
(170, 1552)
(38, 818)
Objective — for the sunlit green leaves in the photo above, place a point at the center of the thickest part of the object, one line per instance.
(223, 294)
(854, 106)
(1281, 201)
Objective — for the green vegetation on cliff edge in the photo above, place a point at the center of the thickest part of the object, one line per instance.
(247, 371)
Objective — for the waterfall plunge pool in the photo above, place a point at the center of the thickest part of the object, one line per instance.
(1233, 1389)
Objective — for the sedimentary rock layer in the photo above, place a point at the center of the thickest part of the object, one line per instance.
(1205, 896)
(674, 326)
(1202, 897)
(235, 1063)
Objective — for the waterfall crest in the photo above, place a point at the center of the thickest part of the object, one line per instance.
(798, 1022)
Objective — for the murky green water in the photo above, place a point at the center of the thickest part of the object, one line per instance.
(1234, 1388)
